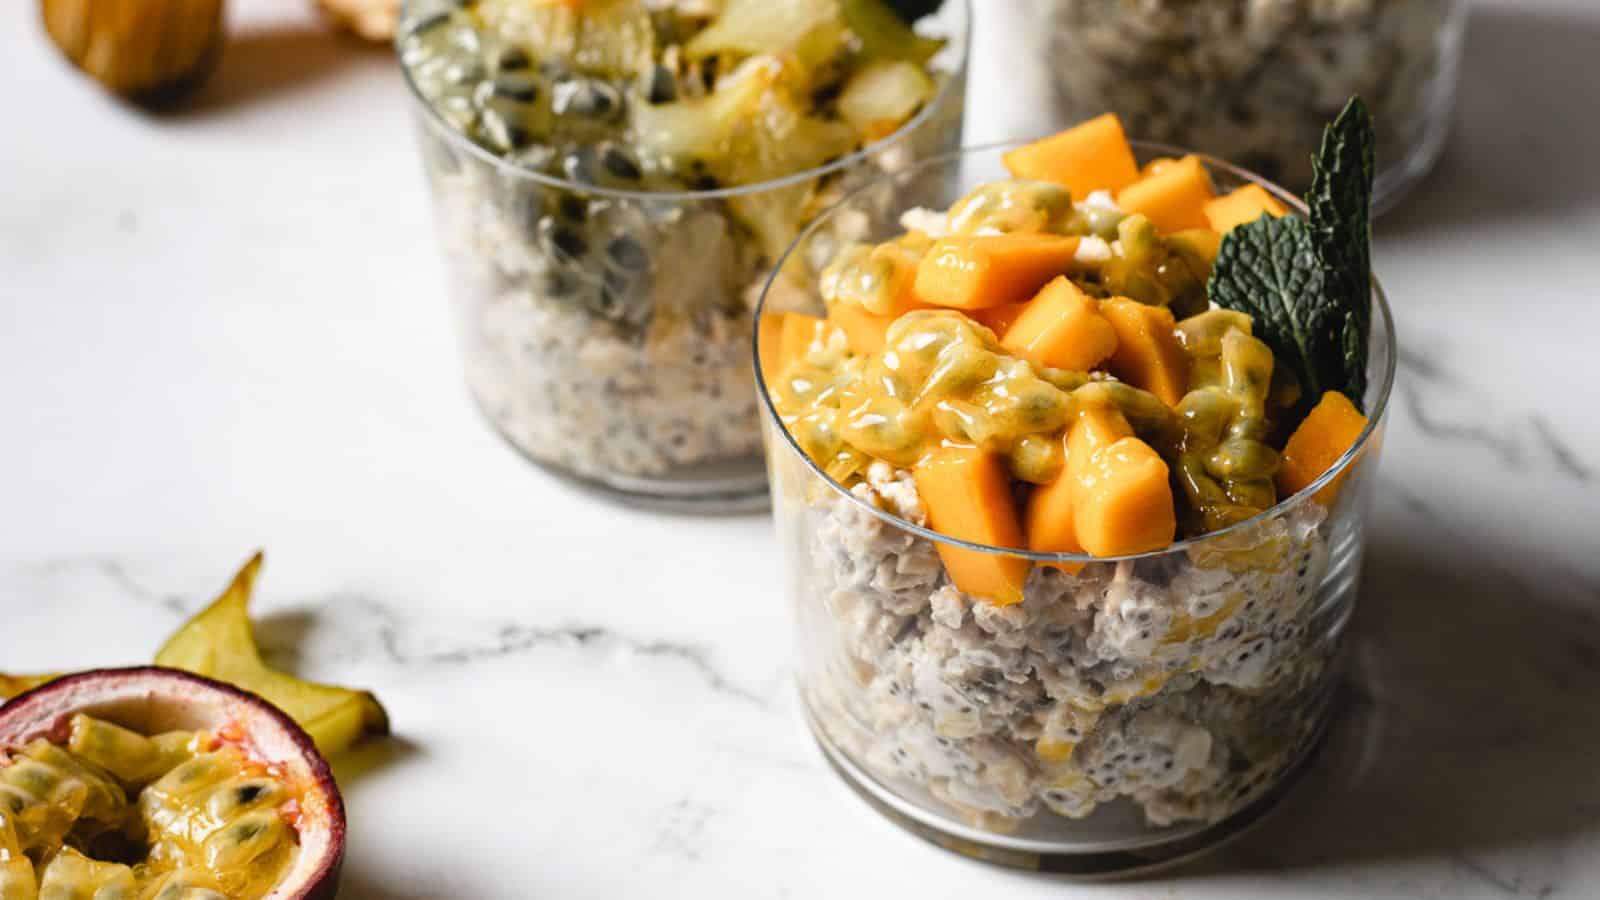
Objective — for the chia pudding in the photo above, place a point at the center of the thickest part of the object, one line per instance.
(1187, 686)
(1065, 572)
(1253, 81)
(614, 178)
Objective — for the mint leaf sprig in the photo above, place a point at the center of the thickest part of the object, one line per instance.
(1341, 224)
(1307, 283)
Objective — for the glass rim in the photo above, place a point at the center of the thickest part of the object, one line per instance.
(940, 99)
(1381, 405)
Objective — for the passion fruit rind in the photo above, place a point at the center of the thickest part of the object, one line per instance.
(153, 699)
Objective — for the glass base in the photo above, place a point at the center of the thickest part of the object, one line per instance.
(1166, 848)
(728, 487)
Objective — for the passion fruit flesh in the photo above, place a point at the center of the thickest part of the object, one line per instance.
(153, 782)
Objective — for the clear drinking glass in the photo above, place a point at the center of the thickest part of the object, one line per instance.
(1129, 715)
(1254, 82)
(604, 330)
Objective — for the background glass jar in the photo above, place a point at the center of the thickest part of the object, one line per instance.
(1134, 713)
(1254, 81)
(604, 327)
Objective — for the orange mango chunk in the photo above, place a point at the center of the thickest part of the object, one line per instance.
(769, 345)
(1327, 432)
(1061, 328)
(1243, 205)
(1048, 521)
(865, 332)
(1173, 197)
(998, 319)
(1113, 497)
(1092, 156)
(985, 271)
(799, 334)
(967, 494)
(1123, 500)
(1148, 353)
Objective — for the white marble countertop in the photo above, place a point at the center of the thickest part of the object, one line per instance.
(224, 329)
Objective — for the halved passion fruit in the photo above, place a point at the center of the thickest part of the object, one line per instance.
(155, 784)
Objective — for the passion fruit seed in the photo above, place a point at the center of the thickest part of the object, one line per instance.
(240, 794)
(248, 838)
(103, 799)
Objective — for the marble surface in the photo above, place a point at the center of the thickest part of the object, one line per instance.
(223, 330)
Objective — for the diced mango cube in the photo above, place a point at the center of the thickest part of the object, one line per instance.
(1092, 156)
(967, 493)
(1330, 429)
(1124, 500)
(1148, 353)
(865, 332)
(998, 319)
(1113, 496)
(769, 345)
(1243, 205)
(1048, 521)
(1061, 327)
(984, 271)
(1173, 198)
(800, 334)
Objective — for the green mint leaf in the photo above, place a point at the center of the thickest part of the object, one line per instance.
(1353, 354)
(1341, 226)
(1269, 269)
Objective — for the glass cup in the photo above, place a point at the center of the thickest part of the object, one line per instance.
(603, 330)
(1255, 82)
(1129, 715)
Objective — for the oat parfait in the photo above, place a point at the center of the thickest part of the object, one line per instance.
(613, 179)
(1071, 477)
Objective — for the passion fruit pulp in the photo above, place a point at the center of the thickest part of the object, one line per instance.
(154, 782)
